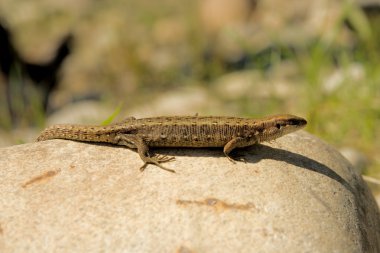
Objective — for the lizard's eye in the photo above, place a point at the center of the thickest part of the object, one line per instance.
(278, 126)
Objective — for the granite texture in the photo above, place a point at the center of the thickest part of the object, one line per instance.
(296, 194)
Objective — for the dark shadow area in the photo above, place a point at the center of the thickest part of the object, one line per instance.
(18, 74)
(257, 153)
(262, 152)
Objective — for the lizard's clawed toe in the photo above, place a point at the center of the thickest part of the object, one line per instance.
(157, 160)
(142, 168)
(163, 158)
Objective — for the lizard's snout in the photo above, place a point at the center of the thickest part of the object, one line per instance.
(300, 122)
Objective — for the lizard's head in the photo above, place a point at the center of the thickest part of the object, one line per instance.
(279, 125)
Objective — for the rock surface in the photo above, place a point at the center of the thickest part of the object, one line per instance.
(296, 194)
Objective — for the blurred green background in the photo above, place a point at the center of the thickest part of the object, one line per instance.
(319, 60)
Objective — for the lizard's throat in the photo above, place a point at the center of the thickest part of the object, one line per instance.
(270, 134)
(274, 133)
(268, 137)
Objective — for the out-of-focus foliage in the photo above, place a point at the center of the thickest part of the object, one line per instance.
(316, 59)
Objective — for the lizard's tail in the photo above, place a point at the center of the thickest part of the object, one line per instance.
(78, 133)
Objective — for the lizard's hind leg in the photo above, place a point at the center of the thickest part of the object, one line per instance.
(133, 141)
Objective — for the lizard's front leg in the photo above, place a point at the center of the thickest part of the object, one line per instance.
(134, 141)
(231, 145)
(236, 142)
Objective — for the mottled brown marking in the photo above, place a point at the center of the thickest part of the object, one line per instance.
(184, 249)
(215, 203)
(45, 176)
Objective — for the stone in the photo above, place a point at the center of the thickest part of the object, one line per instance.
(242, 84)
(358, 160)
(82, 112)
(182, 101)
(296, 194)
(216, 15)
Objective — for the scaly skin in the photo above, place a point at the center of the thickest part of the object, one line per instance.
(180, 131)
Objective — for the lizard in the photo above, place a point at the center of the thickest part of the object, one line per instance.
(179, 131)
